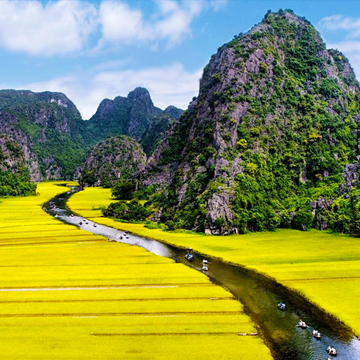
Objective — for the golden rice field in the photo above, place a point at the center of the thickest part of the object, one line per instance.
(69, 294)
(323, 267)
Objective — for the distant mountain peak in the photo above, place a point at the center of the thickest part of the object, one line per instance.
(139, 92)
(131, 116)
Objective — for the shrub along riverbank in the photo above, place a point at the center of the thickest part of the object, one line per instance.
(323, 267)
(69, 294)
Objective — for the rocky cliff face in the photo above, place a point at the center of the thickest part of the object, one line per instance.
(14, 175)
(275, 125)
(49, 129)
(116, 158)
(173, 112)
(127, 116)
(54, 138)
(134, 116)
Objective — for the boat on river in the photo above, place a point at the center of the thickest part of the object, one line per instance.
(189, 255)
(302, 324)
(331, 350)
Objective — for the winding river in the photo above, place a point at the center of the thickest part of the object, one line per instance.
(258, 295)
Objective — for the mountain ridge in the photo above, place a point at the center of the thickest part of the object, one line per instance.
(54, 138)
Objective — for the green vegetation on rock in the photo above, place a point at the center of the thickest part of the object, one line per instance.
(55, 139)
(14, 176)
(49, 129)
(271, 140)
(112, 160)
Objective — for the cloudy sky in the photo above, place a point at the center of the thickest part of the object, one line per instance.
(91, 50)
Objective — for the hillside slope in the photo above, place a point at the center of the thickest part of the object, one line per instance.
(132, 116)
(14, 175)
(271, 140)
(115, 158)
(49, 129)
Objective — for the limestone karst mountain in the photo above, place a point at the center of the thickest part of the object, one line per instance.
(271, 140)
(115, 158)
(131, 116)
(54, 138)
(49, 129)
(14, 175)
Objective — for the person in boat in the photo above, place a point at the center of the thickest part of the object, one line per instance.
(281, 306)
(316, 334)
(302, 324)
(205, 265)
(331, 350)
(189, 255)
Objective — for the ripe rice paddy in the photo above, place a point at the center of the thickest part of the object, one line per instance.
(323, 267)
(69, 294)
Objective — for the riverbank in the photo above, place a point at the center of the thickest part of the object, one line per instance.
(323, 267)
(69, 294)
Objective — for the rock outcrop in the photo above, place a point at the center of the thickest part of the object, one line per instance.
(55, 139)
(48, 128)
(132, 116)
(275, 126)
(14, 175)
(116, 158)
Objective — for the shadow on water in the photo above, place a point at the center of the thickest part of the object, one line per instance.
(258, 294)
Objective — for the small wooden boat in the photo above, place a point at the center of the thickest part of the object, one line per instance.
(205, 265)
(189, 257)
(316, 335)
(301, 324)
(331, 350)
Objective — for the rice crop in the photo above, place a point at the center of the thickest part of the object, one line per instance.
(69, 294)
(322, 266)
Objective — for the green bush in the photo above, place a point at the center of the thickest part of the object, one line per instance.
(123, 190)
(132, 211)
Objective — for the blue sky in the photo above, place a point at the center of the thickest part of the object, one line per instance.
(91, 50)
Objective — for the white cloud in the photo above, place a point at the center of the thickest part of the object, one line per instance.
(170, 85)
(218, 4)
(332, 25)
(351, 49)
(171, 22)
(55, 28)
(119, 22)
(339, 22)
(66, 26)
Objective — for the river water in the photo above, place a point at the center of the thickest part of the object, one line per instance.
(258, 295)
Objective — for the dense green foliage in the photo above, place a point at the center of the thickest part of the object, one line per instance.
(132, 211)
(59, 140)
(134, 116)
(51, 126)
(123, 190)
(154, 134)
(115, 159)
(274, 144)
(14, 176)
